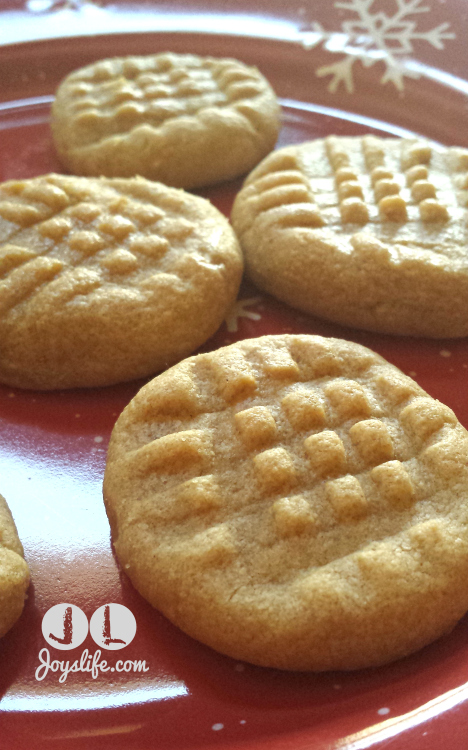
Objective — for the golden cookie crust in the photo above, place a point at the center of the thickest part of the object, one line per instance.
(105, 280)
(185, 120)
(293, 501)
(365, 231)
(14, 573)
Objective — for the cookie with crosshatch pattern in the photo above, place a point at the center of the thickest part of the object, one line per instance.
(365, 231)
(105, 280)
(14, 573)
(182, 119)
(293, 501)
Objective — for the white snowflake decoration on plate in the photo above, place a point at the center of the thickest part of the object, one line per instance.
(49, 6)
(373, 37)
(238, 311)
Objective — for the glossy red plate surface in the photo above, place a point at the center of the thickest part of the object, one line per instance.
(326, 61)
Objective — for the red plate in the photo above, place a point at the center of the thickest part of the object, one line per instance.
(340, 67)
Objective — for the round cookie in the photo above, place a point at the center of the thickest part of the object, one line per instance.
(364, 231)
(105, 280)
(293, 501)
(182, 119)
(14, 574)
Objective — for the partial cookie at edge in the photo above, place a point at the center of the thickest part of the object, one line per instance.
(14, 574)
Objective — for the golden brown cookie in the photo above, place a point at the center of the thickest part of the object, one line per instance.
(182, 119)
(293, 501)
(107, 280)
(14, 574)
(369, 232)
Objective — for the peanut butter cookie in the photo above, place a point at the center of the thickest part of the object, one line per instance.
(293, 501)
(182, 119)
(14, 574)
(105, 280)
(369, 232)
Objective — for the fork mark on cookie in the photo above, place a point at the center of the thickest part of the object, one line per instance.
(173, 453)
(304, 409)
(424, 416)
(12, 256)
(348, 398)
(447, 457)
(213, 547)
(372, 441)
(346, 498)
(275, 470)
(293, 516)
(24, 281)
(256, 426)
(234, 377)
(394, 483)
(200, 494)
(326, 454)
(121, 93)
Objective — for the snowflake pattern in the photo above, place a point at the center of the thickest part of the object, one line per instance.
(49, 6)
(238, 311)
(373, 37)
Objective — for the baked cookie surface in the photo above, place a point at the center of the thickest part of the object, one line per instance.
(107, 280)
(368, 232)
(293, 501)
(182, 119)
(14, 574)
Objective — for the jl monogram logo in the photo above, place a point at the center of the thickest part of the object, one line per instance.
(65, 626)
(112, 626)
